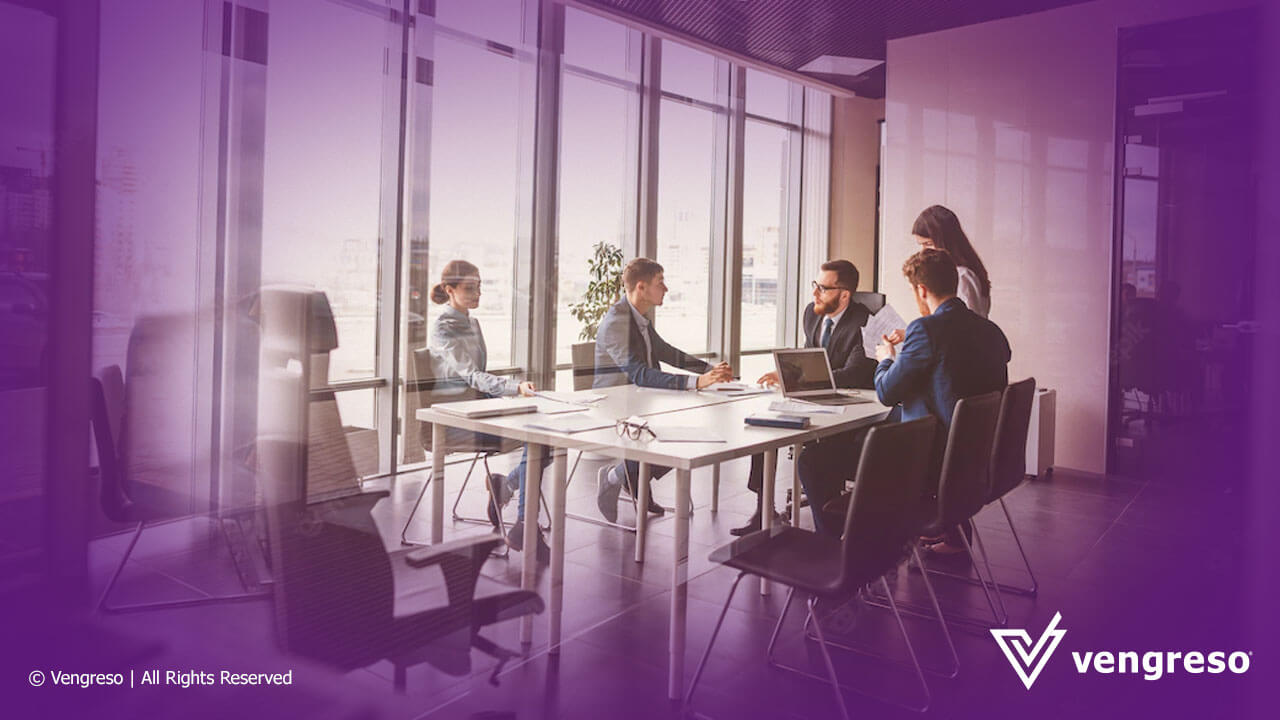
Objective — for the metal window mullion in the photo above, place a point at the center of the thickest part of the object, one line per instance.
(647, 183)
(397, 118)
(787, 334)
(535, 329)
(730, 295)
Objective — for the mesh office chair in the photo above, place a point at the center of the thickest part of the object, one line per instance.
(335, 595)
(123, 502)
(880, 526)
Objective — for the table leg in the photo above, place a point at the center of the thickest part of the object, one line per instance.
(679, 590)
(642, 510)
(766, 500)
(715, 488)
(532, 503)
(437, 482)
(558, 493)
(795, 485)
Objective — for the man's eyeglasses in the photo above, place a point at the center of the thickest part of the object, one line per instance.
(826, 288)
(634, 430)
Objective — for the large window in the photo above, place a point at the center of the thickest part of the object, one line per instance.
(769, 228)
(323, 179)
(599, 109)
(687, 182)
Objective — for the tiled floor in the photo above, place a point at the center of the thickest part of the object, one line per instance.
(1154, 564)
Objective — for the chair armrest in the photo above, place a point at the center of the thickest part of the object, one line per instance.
(434, 554)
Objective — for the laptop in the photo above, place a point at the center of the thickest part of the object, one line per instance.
(805, 375)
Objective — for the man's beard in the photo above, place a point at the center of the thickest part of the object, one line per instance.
(820, 307)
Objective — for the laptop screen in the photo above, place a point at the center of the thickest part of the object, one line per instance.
(803, 370)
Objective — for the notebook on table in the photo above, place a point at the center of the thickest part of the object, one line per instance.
(805, 374)
(488, 407)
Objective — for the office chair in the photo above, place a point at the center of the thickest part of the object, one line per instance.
(335, 595)
(964, 485)
(120, 503)
(1008, 462)
(427, 385)
(872, 301)
(880, 526)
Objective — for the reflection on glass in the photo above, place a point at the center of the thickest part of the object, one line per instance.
(686, 182)
(764, 217)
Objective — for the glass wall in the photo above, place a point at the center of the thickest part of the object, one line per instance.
(599, 122)
(360, 171)
(690, 121)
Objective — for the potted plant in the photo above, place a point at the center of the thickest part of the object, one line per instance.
(605, 287)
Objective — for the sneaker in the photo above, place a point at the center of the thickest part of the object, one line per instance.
(607, 488)
(500, 492)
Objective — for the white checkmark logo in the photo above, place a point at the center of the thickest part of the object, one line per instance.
(1016, 645)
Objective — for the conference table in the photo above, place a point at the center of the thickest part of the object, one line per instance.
(704, 414)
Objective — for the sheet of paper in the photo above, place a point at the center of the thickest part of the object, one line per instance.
(793, 407)
(551, 407)
(571, 423)
(882, 323)
(578, 398)
(686, 433)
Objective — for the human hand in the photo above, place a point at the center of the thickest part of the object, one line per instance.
(886, 350)
(719, 373)
(768, 379)
(895, 337)
(526, 389)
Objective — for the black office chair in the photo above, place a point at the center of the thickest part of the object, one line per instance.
(334, 592)
(125, 504)
(1009, 464)
(880, 527)
(872, 301)
(1008, 470)
(964, 484)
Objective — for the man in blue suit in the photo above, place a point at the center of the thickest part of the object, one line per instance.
(948, 353)
(629, 350)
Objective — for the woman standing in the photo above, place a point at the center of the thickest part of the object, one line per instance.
(938, 227)
(457, 340)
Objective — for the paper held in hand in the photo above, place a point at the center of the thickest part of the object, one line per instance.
(882, 323)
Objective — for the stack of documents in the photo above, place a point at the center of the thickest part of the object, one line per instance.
(793, 407)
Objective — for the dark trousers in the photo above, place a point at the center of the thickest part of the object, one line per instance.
(823, 466)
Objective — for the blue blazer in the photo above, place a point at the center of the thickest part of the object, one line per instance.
(951, 354)
(621, 356)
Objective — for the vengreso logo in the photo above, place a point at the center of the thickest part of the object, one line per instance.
(1028, 659)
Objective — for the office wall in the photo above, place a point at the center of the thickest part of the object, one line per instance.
(1010, 124)
(855, 155)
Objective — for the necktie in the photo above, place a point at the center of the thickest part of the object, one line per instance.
(826, 332)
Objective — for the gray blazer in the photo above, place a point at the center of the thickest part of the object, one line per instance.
(457, 342)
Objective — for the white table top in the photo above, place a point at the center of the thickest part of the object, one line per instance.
(716, 412)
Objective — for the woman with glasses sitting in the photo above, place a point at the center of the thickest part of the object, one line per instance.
(457, 340)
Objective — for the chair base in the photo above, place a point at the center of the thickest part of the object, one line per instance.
(237, 555)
